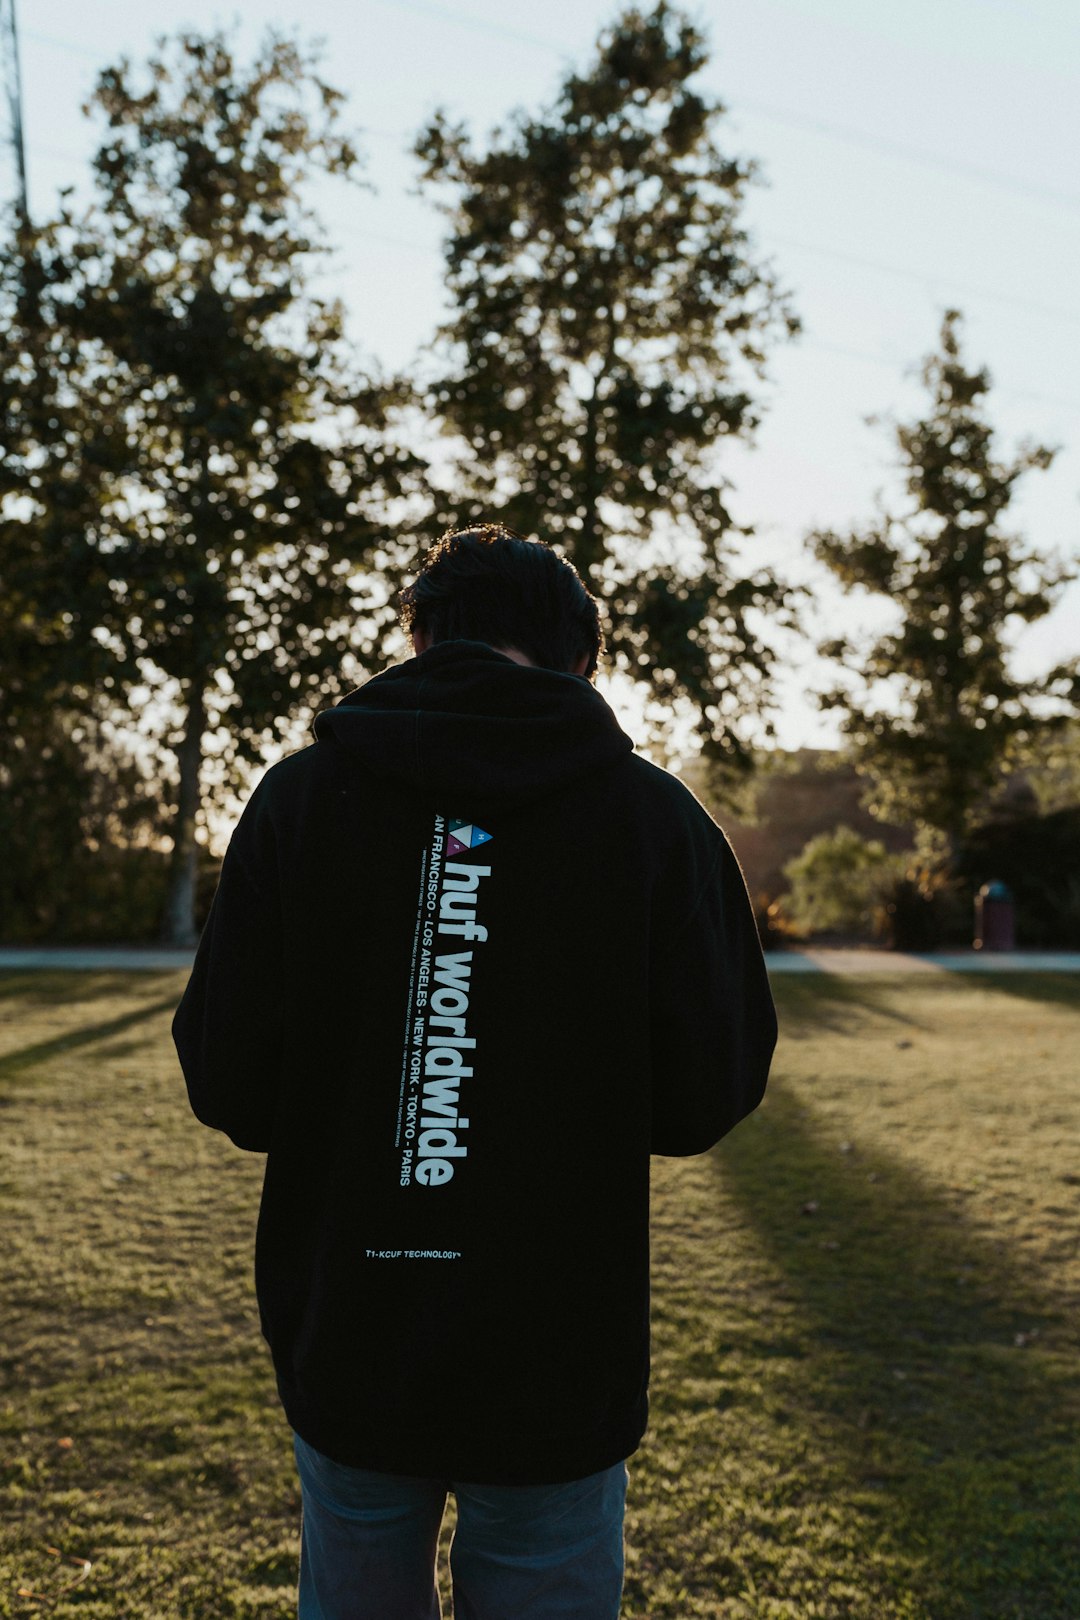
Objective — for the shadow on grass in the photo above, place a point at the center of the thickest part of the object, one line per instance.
(1056, 989)
(57, 987)
(28, 1057)
(938, 1371)
(818, 1003)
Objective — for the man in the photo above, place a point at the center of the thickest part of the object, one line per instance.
(470, 962)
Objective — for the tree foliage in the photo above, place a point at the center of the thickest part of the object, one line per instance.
(961, 581)
(1035, 855)
(1052, 769)
(200, 470)
(77, 822)
(56, 795)
(608, 322)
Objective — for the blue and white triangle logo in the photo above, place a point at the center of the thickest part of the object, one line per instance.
(465, 835)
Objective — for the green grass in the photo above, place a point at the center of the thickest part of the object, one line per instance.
(866, 1390)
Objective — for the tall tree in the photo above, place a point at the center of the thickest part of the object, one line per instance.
(961, 582)
(608, 322)
(50, 673)
(213, 478)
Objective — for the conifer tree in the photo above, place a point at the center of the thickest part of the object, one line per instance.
(961, 581)
(608, 326)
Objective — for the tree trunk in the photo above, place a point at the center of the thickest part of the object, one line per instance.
(588, 549)
(179, 924)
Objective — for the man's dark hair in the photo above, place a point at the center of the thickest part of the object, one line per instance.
(486, 583)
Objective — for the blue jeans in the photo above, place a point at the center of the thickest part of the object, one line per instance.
(520, 1552)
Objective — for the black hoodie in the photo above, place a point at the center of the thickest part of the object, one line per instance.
(470, 961)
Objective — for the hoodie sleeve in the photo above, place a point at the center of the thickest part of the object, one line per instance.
(713, 1025)
(227, 1028)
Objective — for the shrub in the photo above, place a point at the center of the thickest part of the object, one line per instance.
(839, 883)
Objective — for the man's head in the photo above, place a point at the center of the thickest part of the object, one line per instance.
(485, 583)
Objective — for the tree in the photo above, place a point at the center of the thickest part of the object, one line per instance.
(211, 479)
(608, 319)
(52, 792)
(961, 581)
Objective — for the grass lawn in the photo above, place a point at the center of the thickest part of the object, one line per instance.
(866, 1385)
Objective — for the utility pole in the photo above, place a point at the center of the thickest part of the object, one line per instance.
(12, 94)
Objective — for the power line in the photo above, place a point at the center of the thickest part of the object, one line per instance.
(926, 277)
(483, 25)
(886, 362)
(460, 19)
(1055, 312)
(842, 351)
(903, 272)
(839, 132)
(58, 44)
(912, 154)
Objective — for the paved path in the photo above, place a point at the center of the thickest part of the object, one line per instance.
(828, 959)
(833, 959)
(95, 958)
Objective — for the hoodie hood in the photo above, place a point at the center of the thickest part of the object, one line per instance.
(472, 729)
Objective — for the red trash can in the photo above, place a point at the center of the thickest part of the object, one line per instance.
(995, 918)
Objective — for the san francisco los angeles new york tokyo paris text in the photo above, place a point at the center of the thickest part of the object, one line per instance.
(438, 1055)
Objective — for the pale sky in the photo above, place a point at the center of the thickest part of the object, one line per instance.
(915, 156)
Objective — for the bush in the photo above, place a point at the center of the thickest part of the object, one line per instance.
(113, 895)
(840, 883)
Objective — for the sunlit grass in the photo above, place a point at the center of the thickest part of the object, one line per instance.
(865, 1394)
